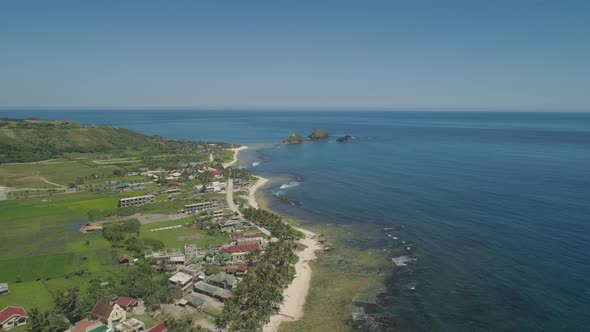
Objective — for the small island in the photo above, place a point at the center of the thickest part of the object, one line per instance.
(294, 138)
(344, 139)
(318, 135)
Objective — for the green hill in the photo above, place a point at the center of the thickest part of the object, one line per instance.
(34, 140)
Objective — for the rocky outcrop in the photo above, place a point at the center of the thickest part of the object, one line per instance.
(344, 139)
(318, 135)
(294, 138)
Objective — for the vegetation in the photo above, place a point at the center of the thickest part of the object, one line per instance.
(47, 321)
(260, 293)
(33, 140)
(318, 134)
(294, 138)
(274, 223)
(181, 325)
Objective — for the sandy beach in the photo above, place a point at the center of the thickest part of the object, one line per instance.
(252, 192)
(296, 293)
(236, 155)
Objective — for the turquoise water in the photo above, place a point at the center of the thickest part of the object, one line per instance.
(495, 205)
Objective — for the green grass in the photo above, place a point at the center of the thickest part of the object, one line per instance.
(177, 238)
(27, 295)
(29, 175)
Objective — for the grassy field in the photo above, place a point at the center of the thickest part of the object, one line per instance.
(177, 238)
(64, 173)
(40, 245)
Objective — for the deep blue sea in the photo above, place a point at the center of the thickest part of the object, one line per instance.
(496, 206)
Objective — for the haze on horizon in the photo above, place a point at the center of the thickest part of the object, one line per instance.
(378, 55)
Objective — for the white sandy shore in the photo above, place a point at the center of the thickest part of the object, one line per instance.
(252, 192)
(296, 293)
(236, 154)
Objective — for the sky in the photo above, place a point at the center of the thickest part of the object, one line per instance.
(341, 55)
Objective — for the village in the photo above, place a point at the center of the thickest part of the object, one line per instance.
(199, 278)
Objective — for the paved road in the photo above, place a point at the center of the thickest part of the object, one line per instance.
(229, 195)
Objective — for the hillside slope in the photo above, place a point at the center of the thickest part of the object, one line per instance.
(34, 140)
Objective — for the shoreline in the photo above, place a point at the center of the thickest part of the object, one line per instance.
(236, 156)
(295, 294)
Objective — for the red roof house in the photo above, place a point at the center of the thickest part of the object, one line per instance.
(126, 302)
(240, 248)
(12, 316)
(158, 328)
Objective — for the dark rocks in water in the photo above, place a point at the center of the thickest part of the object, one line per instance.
(294, 138)
(318, 135)
(344, 139)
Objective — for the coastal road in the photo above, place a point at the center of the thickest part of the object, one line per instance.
(229, 195)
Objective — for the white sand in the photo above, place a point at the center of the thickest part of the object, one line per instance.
(236, 154)
(252, 191)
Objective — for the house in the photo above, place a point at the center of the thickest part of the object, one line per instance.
(239, 271)
(204, 206)
(226, 226)
(130, 325)
(192, 269)
(137, 201)
(108, 314)
(4, 289)
(213, 187)
(127, 303)
(12, 317)
(158, 328)
(247, 238)
(222, 280)
(217, 214)
(239, 252)
(213, 291)
(182, 280)
(85, 325)
(217, 174)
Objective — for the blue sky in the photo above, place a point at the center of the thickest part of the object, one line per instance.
(397, 55)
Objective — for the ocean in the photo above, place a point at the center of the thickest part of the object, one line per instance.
(493, 206)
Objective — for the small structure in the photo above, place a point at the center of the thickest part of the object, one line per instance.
(88, 228)
(127, 303)
(222, 280)
(158, 328)
(108, 314)
(182, 280)
(130, 325)
(12, 317)
(137, 201)
(213, 291)
(4, 289)
(126, 260)
(217, 174)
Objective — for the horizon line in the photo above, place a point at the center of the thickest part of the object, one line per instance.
(302, 109)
